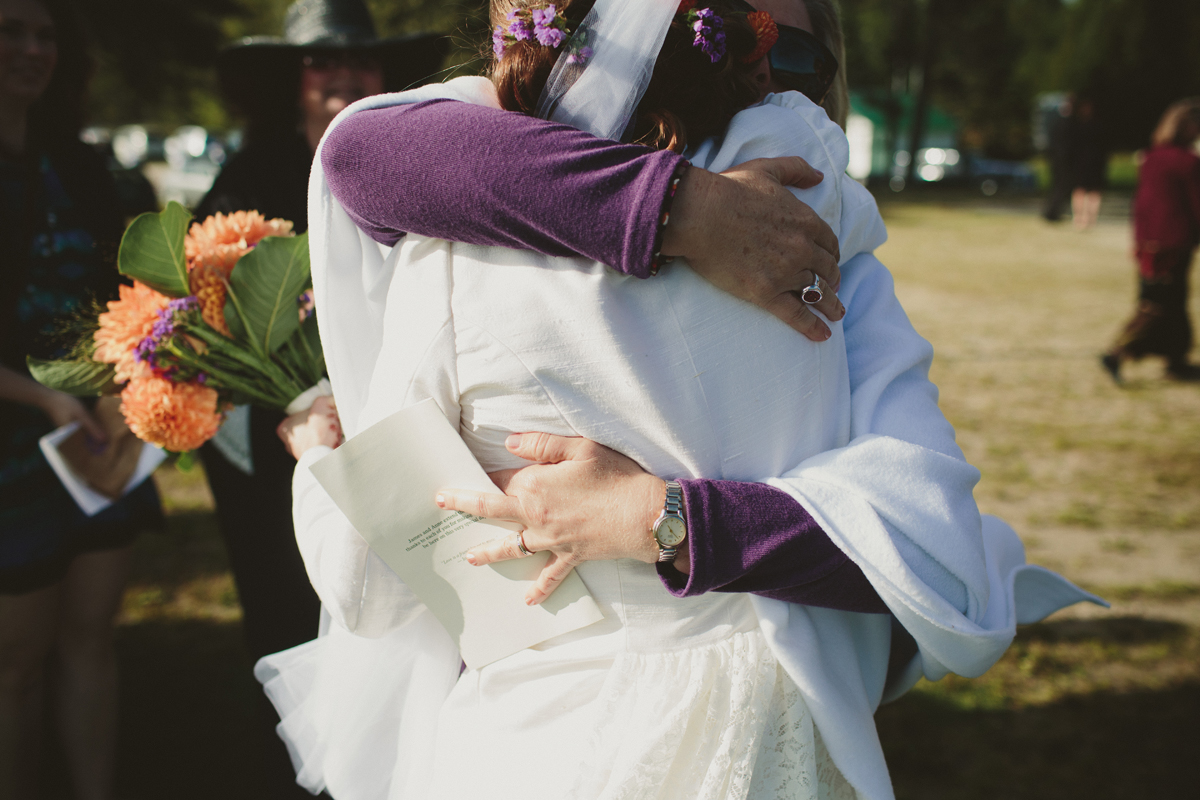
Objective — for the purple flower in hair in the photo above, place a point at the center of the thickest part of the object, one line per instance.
(498, 45)
(548, 30)
(518, 28)
(581, 55)
(709, 36)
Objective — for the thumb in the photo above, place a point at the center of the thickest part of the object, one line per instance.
(789, 171)
(91, 427)
(544, 448)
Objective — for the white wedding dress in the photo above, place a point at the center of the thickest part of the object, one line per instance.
(703, 698)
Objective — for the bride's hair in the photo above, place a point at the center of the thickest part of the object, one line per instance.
(689, 98)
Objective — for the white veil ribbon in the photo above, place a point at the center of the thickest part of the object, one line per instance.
(606, 65)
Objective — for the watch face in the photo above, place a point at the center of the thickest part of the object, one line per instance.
(670, 532)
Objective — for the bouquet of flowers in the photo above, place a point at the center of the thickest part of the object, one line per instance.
(217, 315)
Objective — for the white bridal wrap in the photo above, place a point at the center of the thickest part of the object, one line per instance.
(691, 383)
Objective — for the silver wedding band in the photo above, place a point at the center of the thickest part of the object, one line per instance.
(525, 551)
(812, 294)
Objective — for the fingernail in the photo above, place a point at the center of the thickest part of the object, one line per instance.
(471, 559)
(820, 174)
(440, 500)
(513, 441)
(528, 601)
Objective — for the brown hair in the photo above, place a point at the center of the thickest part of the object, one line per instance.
(1174, 125)
(689, 98)
(826, 18)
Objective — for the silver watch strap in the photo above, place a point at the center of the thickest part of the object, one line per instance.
(674, 504)
(673, 507)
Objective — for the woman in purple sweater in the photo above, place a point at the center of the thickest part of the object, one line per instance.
(434, 168)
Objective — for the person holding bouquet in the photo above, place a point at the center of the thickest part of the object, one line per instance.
(61, 573)
(288, 90)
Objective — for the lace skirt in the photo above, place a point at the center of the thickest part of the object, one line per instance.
(719, 722)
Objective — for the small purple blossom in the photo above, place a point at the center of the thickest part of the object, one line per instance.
(144, 352)
(518, 28)
(498, 45)
(181, 304)
(581, 55)
(709, 36)
(548, 30)
(201, 377)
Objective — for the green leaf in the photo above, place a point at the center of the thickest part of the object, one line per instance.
(263, 289)
(312, 338)
(152, 250)
(82, 378)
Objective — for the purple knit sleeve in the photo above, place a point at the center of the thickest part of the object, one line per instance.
(750, 537)
(473, 174)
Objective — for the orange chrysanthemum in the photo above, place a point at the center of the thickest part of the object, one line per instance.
(175, 416)
(766, 31)
(214, 246)
(127, 321)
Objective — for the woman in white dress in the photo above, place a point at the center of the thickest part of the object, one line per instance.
(716, 696)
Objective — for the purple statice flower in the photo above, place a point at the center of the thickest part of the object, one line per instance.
(709, 36)
(182, 304)
(306, 304)
(144, 352)
(498, 45)
(581, 55)
(518, 28)
(545, 30)
(201, 377)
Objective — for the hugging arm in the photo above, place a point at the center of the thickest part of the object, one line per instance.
(468, 173)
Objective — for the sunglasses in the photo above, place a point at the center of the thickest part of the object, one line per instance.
(800, 62)
(329, 60)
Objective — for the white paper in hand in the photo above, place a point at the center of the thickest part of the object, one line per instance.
(89, 500)
(385, 479)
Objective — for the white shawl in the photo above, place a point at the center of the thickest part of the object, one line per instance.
(897, 499)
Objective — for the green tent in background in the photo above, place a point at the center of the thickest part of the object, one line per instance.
(879, 129)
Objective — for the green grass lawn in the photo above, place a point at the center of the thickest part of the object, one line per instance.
(1102, 482)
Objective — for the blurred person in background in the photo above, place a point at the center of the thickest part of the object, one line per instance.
(61, 573)
(288, 89)
(1166, 230)
(1087, 157)
(1059, 156)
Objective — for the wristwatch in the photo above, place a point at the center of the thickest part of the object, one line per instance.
(670, 529)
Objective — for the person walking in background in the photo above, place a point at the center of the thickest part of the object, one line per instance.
(1059, 156)
(61, 573)
(289, 89)
(1087, 155)
(1166, 230)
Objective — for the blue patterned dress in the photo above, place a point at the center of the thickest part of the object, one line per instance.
(60, 224)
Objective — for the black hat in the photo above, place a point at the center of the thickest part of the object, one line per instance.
(260, 66)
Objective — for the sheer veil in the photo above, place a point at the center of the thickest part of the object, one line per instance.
(605, 67)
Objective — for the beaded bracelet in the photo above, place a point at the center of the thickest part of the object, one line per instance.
(658, 260)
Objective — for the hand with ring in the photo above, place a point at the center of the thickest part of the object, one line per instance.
(579, 500)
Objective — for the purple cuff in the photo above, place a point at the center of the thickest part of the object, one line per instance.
(479, 175)
(750, 537)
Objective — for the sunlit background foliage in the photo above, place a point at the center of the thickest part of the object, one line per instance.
(984, 61)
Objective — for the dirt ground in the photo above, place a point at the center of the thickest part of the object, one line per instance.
(1102, 482)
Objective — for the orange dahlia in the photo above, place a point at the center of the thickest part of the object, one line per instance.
(214, 246)
(175, 416)
(766, 31)
(127, 321)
